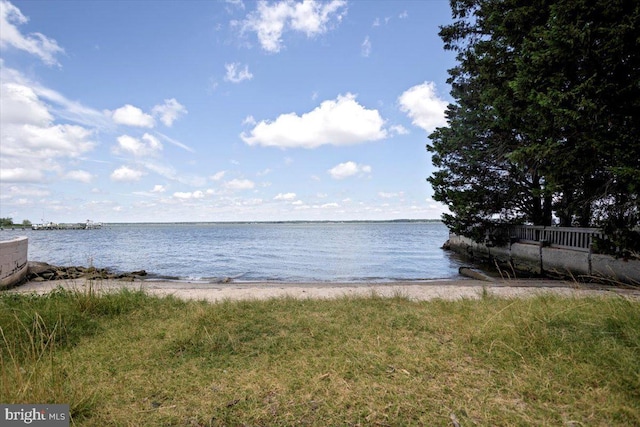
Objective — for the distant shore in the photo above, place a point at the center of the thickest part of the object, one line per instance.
(414, 290)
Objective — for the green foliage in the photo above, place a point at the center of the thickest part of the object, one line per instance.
(546, 115)
(6, 222)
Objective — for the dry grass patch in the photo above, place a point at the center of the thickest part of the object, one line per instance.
(143, 360)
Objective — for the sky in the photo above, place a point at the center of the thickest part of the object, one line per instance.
(165, 111)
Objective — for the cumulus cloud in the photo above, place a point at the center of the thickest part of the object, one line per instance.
(423, 106)
(237, 74)
(20, 175)
(347, 169)
(30, 143)
(169, 111)
(158, 189)
(310, 17)
(147, 146)
(239, 184)
(285, 196)
(35, 43)
(133, 116)
(337, 122)
(20, 105)
(126, 174)
(79, 175)
(29, 134)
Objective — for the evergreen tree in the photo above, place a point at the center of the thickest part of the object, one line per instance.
(546, 115)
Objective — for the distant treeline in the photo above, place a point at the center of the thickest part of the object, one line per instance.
(279, 222)
(8, 222)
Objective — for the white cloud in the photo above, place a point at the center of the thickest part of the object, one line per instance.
(385, 195)
(236, 74)
(310, 17)
(249, 120)
(126, 174)
(148, 146)
(330, 205)
(29, 134)
(239, 184)
(189, 195)
(158, 189)
(24, 191)
(20, 175)
(132, 116)
(19, 92)
(285, 196)
(79, 175)
(347, 169)
(35, 43)
(423, 106)
(337, 122)
(398, 130)
(19, 104)
(174, 142)
(217, 176)
(236, 3)
(365, 47)
(40, 145)
(169, 172)
(169, 111)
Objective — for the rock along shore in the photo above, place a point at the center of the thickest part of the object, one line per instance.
(43, 272)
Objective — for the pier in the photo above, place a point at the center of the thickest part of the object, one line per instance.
(89, 225)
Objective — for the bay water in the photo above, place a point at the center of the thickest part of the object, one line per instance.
(288, 252)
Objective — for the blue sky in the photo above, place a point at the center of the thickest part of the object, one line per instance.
(145, 111)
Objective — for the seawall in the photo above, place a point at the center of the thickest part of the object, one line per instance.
(13, 261)
(540, 258)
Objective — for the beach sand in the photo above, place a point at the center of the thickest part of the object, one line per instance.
(414, 290)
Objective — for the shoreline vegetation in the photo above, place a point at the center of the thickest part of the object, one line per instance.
(125, 354)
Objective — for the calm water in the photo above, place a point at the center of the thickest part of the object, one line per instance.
(291, 252)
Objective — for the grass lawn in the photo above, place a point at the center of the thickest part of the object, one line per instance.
(128, 358)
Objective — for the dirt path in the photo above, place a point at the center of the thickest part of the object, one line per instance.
(415, 290)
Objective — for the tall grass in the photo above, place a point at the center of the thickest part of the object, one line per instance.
(127, 358)
(36, 331)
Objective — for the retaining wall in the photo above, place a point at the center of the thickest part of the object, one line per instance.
(538, 258)
(13, 261)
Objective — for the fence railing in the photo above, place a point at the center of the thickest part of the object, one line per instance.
(579, 239)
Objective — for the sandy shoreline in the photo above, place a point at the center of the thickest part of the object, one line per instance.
(415, 290)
